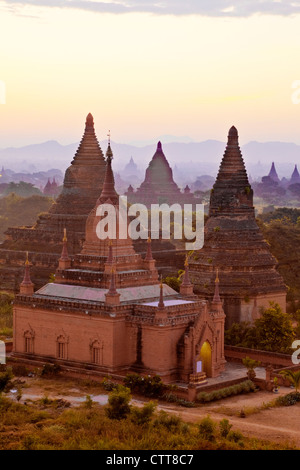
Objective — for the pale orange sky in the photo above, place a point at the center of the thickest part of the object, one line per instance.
(143, 75)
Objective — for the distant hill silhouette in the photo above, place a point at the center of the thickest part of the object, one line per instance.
(192, 159)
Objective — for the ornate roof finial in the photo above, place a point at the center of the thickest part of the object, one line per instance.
(186, 278)
(161, 304)
(27, 286)
(112, 288)
(149, 256)
(64, 253)
(216, 298)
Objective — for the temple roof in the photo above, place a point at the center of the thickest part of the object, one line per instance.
(93, 294)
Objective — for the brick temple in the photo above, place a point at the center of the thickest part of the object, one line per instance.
(108, 312)
(234, 244)
(159, 186)
(82, 185)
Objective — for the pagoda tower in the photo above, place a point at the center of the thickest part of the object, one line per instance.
(295, 178)
(234, 244)
(273, 174)
(81, 188)
(159, 186)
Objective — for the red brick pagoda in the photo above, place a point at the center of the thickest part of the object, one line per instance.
(234, 244)
(82, 184)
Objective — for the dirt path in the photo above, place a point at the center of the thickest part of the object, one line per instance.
(277, 424)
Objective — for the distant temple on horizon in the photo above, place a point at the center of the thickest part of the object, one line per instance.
(108, 312)
(159, 186)
(234, 244)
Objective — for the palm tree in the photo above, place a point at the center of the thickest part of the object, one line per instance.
(293, 378)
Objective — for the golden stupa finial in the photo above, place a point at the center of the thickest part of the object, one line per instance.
(186, 263)
(217, 276)
(27, 260)
(65, 235)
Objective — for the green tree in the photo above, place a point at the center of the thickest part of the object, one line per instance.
(118, 403)
(274, 330)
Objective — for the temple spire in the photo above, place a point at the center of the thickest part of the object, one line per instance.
(186, 287)
(161, 304)
(217, 298)
(108, 190)
(64, 261)
(27, 287)
(149, 256)
(112, 297)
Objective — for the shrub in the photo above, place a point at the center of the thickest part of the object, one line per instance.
(50, 369)
(118, 403)
(243, 387)
(235, 436)
(5, 378)
(225, 427)
(150, 386)
(142, 416)
(206, 429)
(289, 399)
(171, 422)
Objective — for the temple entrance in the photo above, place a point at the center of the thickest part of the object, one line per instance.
(206, 358)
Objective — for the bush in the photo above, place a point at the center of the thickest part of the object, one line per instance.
(142, 416)
(118, 403)
(225, 427)
(5, 378)
(235, 436)
(288, 400)
(206, 429)
(172, 423)
(243, 387)
(50, 369)
(149, 386)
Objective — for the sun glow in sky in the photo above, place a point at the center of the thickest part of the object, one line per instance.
(143, 75)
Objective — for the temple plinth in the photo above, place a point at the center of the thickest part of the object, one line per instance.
(234, 244)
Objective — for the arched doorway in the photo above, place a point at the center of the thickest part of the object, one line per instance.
(206, 358)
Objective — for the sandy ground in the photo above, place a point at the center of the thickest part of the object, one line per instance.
(276, 424)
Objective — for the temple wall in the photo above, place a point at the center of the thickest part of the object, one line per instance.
(79, 332)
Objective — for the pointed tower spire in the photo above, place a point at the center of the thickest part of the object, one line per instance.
(216, 298)
(64, 261)
(108, 191)
(161, 304)
(186, 287)
(110, 263)
(112, 297)
(273, 173)
(149, 256)
(27, 287)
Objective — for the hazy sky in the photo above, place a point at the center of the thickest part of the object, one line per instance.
(143, 69)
